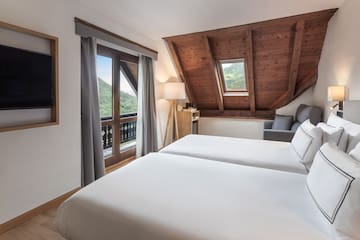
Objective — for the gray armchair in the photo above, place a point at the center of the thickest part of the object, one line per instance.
(283, 128)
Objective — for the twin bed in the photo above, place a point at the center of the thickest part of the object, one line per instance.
(249, 152)
(200, 187)
(163, 196)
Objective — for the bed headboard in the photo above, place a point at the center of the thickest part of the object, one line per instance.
(352, 111)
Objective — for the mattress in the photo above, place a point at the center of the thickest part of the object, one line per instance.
(257, 153)
(164, 196)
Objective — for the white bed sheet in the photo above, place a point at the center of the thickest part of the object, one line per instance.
(165, 196)
(257, 153)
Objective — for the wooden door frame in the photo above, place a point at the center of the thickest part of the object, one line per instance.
(117, 57)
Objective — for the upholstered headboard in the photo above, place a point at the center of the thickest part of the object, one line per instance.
(352, 111)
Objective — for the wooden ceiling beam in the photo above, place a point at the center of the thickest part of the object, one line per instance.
(295, 58)
(214, 74)
(178, 66)
(250, 70)
(307, 82)
(281, 101)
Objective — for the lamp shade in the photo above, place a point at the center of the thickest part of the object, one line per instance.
(174, 91)
(336, 93)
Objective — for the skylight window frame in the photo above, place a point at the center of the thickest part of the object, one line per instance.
(236, 92)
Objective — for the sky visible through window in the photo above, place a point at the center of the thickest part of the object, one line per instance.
(103, 71)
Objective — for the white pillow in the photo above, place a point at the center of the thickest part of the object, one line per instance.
(351, 129)
(334, 184)
(333, 135)
(353, 141)
(306, 142)
(355, 153)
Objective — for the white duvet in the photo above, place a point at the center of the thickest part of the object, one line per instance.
(164, 196)
(258, 153)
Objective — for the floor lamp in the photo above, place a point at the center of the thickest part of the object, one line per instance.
(173, 91)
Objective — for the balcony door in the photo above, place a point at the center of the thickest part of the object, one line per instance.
(117, 83)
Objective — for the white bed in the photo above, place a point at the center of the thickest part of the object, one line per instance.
(257, 153)
(164, 196)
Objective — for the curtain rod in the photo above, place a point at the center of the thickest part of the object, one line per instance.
(86, 29)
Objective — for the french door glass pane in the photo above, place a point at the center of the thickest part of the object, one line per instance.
(128, 105)
(104, 70)
(104, 67)
(128, 98)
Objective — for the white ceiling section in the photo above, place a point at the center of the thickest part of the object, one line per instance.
(162, 18)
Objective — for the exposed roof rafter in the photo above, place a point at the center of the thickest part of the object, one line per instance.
(295, 59)
(282, 56)
(215, 74)
(250, 69)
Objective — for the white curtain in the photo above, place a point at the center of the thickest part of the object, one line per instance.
(146, 132)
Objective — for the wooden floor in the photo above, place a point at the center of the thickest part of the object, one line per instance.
(40, 227)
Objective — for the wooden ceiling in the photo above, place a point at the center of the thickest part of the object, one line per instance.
(282, 58)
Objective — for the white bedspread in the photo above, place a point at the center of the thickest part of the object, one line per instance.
(166, 197)
(257, 153)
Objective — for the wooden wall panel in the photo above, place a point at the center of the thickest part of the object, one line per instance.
(285, 57)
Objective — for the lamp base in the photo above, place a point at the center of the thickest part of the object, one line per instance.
(340, 112)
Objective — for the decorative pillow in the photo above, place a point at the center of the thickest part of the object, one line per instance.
(302, 113)
(282, 122)
(332, 135)
(352, 130)
(306, 142)
(353, 141)
(334, 185)
(355, 153)
(336, 121)
(295, 126)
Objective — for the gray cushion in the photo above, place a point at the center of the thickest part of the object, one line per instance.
(305, 112)
(282, 122)
(295, 126)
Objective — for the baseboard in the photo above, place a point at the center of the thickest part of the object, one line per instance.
(34, 212)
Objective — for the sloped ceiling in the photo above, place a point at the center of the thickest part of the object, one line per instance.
(160, 18)
(282, 59)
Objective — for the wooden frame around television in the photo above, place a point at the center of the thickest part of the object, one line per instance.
(54, 51)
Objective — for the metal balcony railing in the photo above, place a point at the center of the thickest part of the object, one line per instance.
(127, 129)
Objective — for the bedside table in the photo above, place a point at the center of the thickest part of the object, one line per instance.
(188, 121)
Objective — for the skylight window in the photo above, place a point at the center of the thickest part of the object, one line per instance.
(233, 74)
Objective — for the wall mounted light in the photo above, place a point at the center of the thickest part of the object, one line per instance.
(337, 94)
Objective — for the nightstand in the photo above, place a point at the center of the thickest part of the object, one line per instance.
(188, 121)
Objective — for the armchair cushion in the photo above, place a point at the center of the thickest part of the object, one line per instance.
(282, 122)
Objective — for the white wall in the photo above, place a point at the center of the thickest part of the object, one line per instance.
(340, 60)
(37, 165)
(306, 98)
(164, 71)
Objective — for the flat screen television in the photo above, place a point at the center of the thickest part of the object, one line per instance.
(26, 79)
